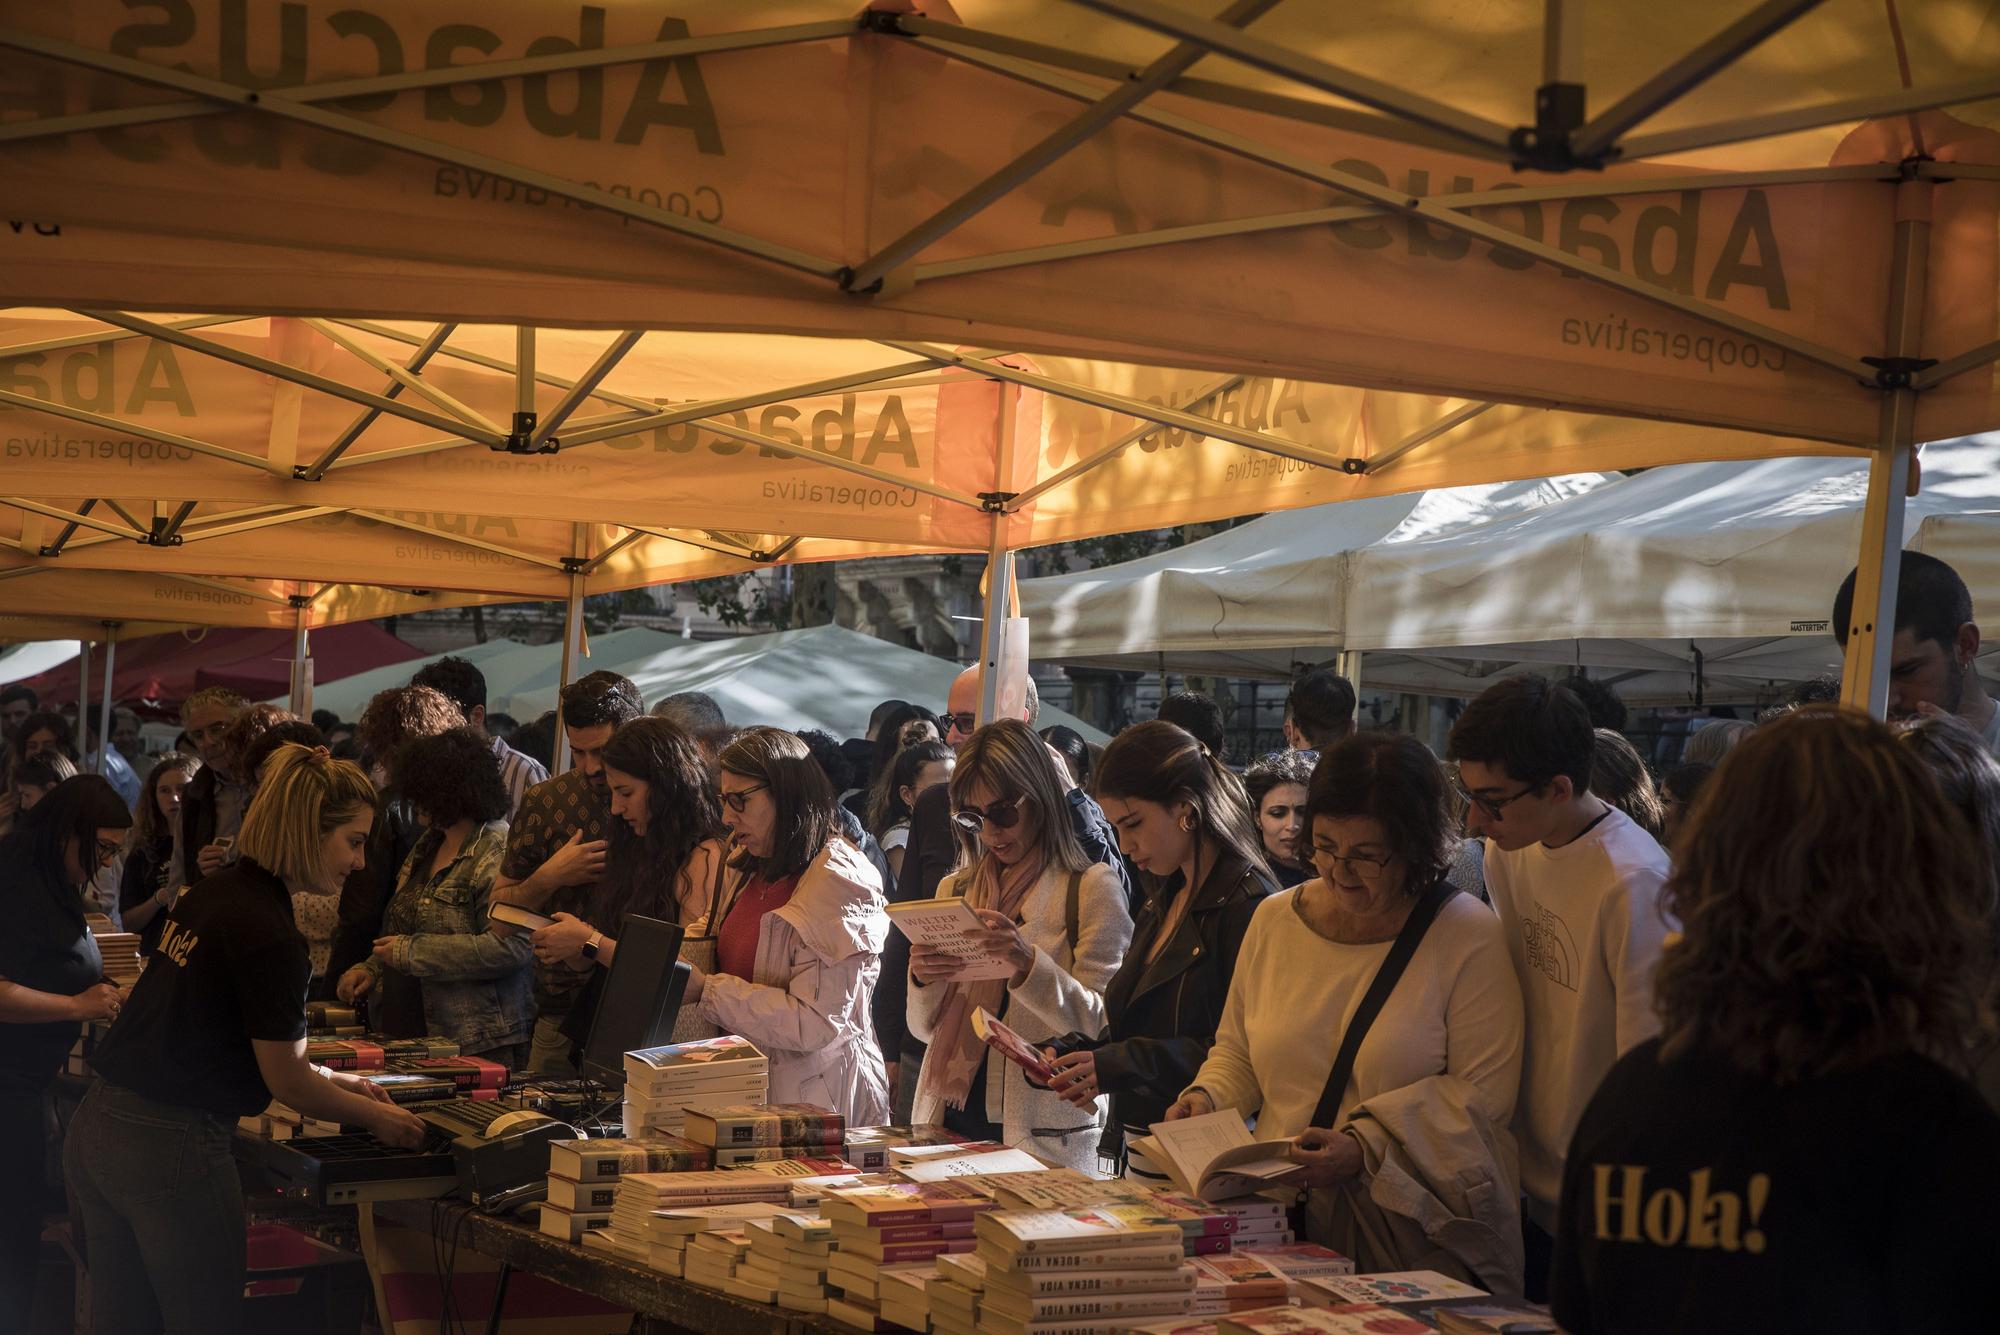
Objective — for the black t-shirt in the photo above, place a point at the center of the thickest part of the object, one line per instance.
(1698, 1197)
(45, 946)
(231, 967)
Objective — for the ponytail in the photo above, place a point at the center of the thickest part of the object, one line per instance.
(305, 795)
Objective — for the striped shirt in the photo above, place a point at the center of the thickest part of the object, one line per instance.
(518, 772)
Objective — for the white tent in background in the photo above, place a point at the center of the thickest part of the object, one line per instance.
(349, 695)
(824, 677)
(1717, 576)
(1257, 599)
(34, 658)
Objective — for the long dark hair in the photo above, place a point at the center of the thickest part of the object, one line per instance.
(75, 809)
(149, 827)
(640, 873)
(886, 807)
(1393, 778)
(808, 813)
(1164, 763)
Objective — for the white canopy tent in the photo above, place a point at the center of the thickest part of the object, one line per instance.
(34, 658)
(1257, 599)
(825, 677)
(1680, 584)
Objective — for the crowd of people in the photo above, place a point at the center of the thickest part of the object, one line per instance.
(1527, 1013)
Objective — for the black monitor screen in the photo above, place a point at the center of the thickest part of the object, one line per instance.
(641, 997)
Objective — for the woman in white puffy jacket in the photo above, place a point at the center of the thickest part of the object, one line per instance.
(800, 935)
(1057, 916)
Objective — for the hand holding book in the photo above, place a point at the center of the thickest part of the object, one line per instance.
(1327, 1158)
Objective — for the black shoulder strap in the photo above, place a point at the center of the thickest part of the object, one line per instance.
(1421, 915)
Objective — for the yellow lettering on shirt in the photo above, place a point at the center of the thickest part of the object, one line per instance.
(1698, 1217)
(177, 942)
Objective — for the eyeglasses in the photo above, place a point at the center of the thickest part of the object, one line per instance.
(740, 799)
(964, 723)
(1002, 815)
(1359, 865)
(107, 849)
(1494, 807)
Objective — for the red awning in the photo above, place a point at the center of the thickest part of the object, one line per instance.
(162, 670)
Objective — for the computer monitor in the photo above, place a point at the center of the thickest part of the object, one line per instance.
(640, 1000)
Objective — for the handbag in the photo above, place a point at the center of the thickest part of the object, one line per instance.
(700, 952)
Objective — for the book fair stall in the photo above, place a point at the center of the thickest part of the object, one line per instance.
(315, 315)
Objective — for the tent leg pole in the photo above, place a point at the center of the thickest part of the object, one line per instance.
(82, 701)
(572, 644)
(993, 629)
(104, 708)
(1872, 630)
(302, 683)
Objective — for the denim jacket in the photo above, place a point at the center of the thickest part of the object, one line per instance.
(478, 987)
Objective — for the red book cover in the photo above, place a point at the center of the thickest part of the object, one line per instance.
(895, 1252)
(465, 1072)
(960, 1228)
(1218, 1244)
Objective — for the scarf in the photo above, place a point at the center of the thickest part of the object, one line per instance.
(956, 1051)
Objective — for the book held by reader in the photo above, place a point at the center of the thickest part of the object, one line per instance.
(1011, 1045)
(1214, 1157)
(950, 925)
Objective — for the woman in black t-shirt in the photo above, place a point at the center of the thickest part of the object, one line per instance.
(216, 1029)
(51, 980)
(1798, 1150)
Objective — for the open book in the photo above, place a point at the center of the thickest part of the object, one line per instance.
(949, 924)
(1214, 1157)
(1011, 1046)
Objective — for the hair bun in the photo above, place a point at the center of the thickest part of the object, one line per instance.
(320, 755)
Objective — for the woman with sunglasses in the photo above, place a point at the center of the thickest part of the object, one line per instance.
(1415, 1168)
(51, 982)
(1185, 822)
(801, 926)
(1056, 916)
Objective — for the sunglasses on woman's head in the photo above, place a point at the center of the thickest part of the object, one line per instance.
(740, 799)
(1002, 815)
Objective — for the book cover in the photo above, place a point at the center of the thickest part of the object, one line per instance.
(1345, 1319)
(1478, 1318)
(1054, 1189)
(948, 923)
(1300, 1260)
(933, 1232)
(1012, 1046)
(938, 1167)
(596, 1160)
(567, 1195)
(729, 1184)
(351, 1054)
(1214, 1157)
(1027, 1232)
(465, 1072)
(1083, 1306)
(1238, 1278)
(1397, 1286)
(704, 1053)
(893, 1253)
(905, 1203)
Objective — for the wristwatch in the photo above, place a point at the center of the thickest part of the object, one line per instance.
(590, 946)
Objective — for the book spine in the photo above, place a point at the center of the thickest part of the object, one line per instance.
(1033, 1285)
(1218, 1245)
(920, 1232)
(896, 1252)
(1094, 1258)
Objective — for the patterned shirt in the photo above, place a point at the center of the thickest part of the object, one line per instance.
(550, 813)
(519, 773)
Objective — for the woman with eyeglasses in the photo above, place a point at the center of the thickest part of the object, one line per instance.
(51, 982)
(1184, 821)
(216, 1031)
(1048, 910)
(801, 922)
(1409, 1163)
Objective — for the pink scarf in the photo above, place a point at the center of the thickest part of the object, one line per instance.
(956, 1050)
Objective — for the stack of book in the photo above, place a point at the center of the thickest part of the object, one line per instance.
(889, 1225)
(953, 1297)
(408, 1087)
(640, 1195)
(787, 1263)
(905, 1295)
(872, 1147)
(712, 1257)
(475, 1077)
(1494, 1318)
(1346, 1319)
(328, 1019)
(1301, 1261)
(121, 955)
(279, 1122)
(584, 1174)
(744, 1133)
(669, 1232)
(662, 1084)
(345, 1054)
(1261, 1223)
(1206, 1230)
(1047, 1269)
(413, 1049)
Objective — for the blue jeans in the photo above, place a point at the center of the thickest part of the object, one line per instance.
(162, 1210)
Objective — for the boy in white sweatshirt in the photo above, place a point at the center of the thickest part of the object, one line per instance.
(1577, 886)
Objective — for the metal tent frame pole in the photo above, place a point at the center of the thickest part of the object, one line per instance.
(572, 641)
(999, 564)
(104, 707)
(82, 701)
(1872, 624)
(302, 682)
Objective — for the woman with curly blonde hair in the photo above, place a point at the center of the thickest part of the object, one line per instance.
(1803, 1114)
